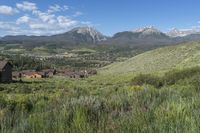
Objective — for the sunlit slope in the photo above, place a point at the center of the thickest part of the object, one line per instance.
(178, 56)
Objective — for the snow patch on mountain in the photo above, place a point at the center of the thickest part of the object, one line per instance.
(96, 35)
(147, 30)
(174, 32)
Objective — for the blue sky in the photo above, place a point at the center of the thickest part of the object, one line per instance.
(45, 17)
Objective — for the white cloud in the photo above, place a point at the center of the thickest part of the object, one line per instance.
(87, 23)
(77, 14)
(57, 8)
(7, 10)
(23, 19)
(37, 22)
(8, 26)
(45, 17)
(65, 22)
(27, 6)
(38, 26)
(45, 23)
(65, 7)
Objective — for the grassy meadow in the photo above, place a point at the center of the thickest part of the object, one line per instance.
(138, 95)
(158, 60)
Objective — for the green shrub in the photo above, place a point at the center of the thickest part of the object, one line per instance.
(169, 78)
(147, 79)
(1, 88)
(173, 76)
(11, 105)
(25, 105)
(3, 103)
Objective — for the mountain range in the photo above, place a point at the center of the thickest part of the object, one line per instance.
(89, 35)
(174, 32)
(79, 35)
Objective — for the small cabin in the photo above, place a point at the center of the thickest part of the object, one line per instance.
(5, 71)
(31, 74)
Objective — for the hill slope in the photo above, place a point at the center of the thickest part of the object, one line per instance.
(179, 56)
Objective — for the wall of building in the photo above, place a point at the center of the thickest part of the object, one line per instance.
(6, 74)
(0, 76)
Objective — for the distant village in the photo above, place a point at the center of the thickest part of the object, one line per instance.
(7, 75)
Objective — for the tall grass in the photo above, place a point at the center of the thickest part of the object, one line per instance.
(94, 107)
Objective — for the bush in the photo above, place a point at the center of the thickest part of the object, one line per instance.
(172, 77)
(1, 88)
(11, 105)
(25, 105)
(2, 103)
(147, 79)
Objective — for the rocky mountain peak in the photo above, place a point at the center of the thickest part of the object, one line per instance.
(174, 32)
(90, 32)
(147, 30)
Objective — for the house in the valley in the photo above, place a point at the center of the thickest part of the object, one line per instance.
(48, 73)
(76, 74)
(5, 71)
(31, 74)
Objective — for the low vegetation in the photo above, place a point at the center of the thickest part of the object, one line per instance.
(147, 97)
(161, 59)
(145, 104)
(169, 78)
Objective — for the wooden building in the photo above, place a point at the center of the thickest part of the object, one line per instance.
(5, 71)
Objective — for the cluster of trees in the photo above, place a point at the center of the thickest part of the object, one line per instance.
(25, 63)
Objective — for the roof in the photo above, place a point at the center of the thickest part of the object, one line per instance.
(3, 64)
(30, 73)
